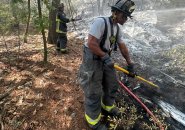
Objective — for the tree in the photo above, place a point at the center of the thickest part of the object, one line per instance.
(42, 31)
(101, 4)
(52, 35)
(71, 12)
(98, 4)
(28, 22)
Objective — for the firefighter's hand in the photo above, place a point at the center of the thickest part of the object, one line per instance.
(130, 68)
(72, 20)
(107, 61)
(76, 19)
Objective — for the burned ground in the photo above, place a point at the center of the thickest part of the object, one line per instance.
(48, 96)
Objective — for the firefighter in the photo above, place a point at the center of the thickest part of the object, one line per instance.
(61, 29)
(97, 75)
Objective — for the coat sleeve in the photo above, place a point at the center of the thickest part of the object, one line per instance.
(63, 18)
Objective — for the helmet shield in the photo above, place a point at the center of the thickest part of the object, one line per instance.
(125, 6)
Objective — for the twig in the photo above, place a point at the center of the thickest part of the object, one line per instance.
(19, 41)
(2, 96)
(2, 125)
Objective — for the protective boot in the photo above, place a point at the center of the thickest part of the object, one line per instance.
(99, 126)
(64, 51)
(58, 52)
(113, 112)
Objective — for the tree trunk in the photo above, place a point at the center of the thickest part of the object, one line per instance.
(93, 9)
(111, 2)
(28, 23)
(104, 3)
(42, 31)
(71, 12)
(98, 4)
(52, 35)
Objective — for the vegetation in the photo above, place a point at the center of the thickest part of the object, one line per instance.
(37, 89)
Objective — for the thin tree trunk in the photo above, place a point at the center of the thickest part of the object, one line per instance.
(93, 10)
(98, 3)
(52, 35)
(71, 12)
(28, 23)
(7, 50)
(17, 23)
(19, 42)
(42, 31)
(103, 6)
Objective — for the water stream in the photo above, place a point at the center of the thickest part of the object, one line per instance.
(148, 36)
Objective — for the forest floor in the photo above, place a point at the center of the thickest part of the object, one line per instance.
(38, 96)
(45, 96)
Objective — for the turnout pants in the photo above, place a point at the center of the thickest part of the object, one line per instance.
(99, 85)
(61, 41)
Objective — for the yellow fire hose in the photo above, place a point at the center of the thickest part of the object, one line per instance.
(138, 77)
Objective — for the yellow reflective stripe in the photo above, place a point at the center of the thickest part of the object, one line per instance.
(107, 108)
(91, 121)
(58, 25)
(63, 50)
(58, 20)
(58, 31)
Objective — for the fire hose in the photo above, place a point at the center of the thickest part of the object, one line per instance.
(156, 121)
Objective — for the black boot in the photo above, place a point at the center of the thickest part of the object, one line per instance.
(113, 112)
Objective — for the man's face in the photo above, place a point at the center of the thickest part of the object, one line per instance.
(121, 18)
(61, 8)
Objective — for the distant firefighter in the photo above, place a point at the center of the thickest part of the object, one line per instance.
(61, 29)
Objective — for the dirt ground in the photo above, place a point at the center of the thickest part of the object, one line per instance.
(38, 96)
(44, 96)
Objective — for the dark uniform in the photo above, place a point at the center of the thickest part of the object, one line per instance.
(61, 29)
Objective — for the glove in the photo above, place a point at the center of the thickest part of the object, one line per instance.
(72, 20)
(107, 61)
(130, 68)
